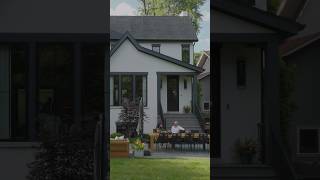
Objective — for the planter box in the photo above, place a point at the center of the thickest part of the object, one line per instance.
(138, 153)
(119, 148)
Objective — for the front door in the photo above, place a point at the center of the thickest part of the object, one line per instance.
(173, 93)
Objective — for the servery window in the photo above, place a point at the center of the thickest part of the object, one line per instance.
(185, 53)
(125, 88)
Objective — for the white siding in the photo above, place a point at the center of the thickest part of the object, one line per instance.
(128, 59)
(172, 49)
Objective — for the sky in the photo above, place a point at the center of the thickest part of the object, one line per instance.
(130, 8)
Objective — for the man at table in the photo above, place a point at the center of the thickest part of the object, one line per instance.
(176, 128)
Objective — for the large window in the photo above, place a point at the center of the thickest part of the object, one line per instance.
(125, 88)
(13, 121)
(55, 88)
(185, 53)
(309, 141)
(241, 73)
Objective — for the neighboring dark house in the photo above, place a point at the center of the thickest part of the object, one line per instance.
(303, 51)
(204, 82)
(51, 73)
(245, 98)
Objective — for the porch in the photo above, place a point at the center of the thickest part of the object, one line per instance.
(178, 100)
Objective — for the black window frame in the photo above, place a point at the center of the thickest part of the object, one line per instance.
(134, 75)
(183, 46)
(156, 45)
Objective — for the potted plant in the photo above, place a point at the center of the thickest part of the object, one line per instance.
(187, 109)
(138, 147)
(246, 150)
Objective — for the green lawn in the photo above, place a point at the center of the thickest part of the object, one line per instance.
(162, 169)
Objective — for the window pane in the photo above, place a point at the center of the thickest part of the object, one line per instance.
(309, 141)
(126, 88)
(141, 89)
(156, 48)
(4, 92)
(115, 91)
(186, 53)
(18, 91)
(55, 93)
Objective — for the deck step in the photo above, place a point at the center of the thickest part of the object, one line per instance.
(188, 121)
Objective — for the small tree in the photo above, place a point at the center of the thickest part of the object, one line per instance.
(129, 118)
(287, 105)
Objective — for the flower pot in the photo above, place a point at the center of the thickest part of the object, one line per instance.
(138, 153)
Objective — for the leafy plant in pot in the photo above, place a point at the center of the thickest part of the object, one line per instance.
(138, 147)
(246, 150)
(187, 109)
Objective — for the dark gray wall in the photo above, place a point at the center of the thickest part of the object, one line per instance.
(54, 16)
(307, 92)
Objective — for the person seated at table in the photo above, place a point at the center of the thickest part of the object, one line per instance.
(176, 128)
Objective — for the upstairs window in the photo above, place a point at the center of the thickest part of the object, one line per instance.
(156, 48)
(185, 53)
(308, 141)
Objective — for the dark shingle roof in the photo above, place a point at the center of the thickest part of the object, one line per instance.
(175, 28)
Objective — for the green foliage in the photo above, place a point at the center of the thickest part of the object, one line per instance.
(287, 106)
(273, 5)
(187, 109)
(172, 8)
(63, 158)
(138, 145)
(116, 134)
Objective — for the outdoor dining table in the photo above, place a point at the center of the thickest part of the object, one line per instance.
(155, 135)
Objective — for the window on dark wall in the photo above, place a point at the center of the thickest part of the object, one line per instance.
(92, 91)
(185, 53)
(308, 141)
(13, 63)
(55, 87)
(18, 91)
(241, 73)
(156, 48)
(126, 88)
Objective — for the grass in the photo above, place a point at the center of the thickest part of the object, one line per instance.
(169, 169)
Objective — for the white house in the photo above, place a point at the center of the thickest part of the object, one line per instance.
(151, 58)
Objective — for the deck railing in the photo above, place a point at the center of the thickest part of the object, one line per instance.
(198, 114)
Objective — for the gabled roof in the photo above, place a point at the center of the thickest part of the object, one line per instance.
(128, 36)
(155, 28)
(293, 45)
(262, 18)
(203, 58)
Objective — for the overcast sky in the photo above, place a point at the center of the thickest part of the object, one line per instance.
(130, 8)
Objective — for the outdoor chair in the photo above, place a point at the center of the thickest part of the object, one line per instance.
(195, 140)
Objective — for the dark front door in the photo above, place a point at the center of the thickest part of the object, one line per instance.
(173, 93)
